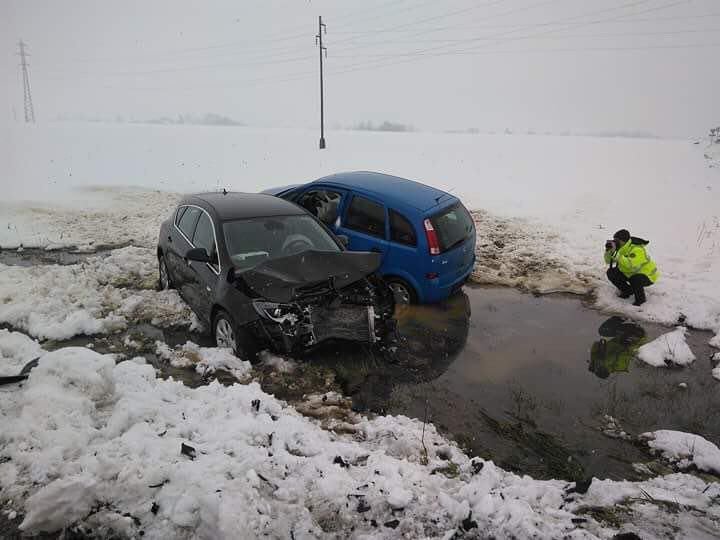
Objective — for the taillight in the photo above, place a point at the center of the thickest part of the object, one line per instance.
(432, 239)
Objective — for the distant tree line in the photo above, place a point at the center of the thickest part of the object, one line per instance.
(385, 126)
(208, 119)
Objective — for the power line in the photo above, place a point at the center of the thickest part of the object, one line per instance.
(526, 25)
(577, 36)
(27, 95)
(418, 54)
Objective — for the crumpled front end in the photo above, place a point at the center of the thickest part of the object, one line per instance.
(362, 312)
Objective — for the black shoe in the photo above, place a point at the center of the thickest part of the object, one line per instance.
(638, 302)
(624, 295)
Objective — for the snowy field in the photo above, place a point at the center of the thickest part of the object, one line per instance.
(94, 440)
(544, 204)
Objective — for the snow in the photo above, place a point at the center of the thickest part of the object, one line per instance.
(685, 449)
(715, 342)
(98, 296)
(16, 350)
(716, 372)
(550, 201)
(205, 360)
(667, 350)
(100, 443)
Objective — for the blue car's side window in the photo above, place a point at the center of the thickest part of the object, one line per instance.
(324, 204)
(366, 216)
(401, 230)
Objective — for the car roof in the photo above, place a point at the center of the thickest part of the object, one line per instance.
(227, 205)
(392, 189)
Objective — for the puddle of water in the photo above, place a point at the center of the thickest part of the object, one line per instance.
(526, 381)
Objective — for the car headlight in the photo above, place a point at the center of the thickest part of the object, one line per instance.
(280, 313)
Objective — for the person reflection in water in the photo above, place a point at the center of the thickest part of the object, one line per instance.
(617, 347)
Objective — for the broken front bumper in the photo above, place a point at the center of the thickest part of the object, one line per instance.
(290, 326)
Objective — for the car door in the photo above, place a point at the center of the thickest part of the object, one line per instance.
(364, 222)
(324, 203)
(180, 242)
(203, 277)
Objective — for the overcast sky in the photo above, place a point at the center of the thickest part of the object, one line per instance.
(549, 65)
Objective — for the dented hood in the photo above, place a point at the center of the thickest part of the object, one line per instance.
(283, 279)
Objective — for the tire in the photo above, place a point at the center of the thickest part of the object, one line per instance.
(402, 290)
(164, 280)
(227, 334)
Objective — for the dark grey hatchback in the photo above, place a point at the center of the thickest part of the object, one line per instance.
(261, 272)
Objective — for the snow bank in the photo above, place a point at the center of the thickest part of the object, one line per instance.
(205, 360)
(86, 218)
(685, 449)
(16, 350)
(112, 446)
(97, 296)
(667, 350)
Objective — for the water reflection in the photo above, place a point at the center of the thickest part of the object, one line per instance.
(620, 340)
(431, 338)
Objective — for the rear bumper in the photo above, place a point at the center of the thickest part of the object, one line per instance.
(436, 292)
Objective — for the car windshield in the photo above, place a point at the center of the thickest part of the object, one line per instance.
(252, 241)
(453, 226)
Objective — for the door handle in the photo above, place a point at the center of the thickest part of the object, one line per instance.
(376, 250)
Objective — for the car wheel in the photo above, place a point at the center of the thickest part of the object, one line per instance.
(228, 336)
(164, 281)
(403, 293)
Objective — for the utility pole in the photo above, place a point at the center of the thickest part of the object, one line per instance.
(318, 40)
(27, 96)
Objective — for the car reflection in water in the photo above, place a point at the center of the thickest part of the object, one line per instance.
(618, 345)
(430, 339)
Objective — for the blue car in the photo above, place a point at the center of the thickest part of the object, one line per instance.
(426, 236)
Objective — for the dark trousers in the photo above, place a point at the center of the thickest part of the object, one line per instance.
(635, 284)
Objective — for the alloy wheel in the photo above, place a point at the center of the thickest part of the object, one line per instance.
(224, 334)
(401, 293)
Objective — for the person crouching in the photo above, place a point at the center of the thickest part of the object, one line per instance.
(631, 269)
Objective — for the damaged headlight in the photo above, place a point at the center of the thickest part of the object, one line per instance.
(279, 313)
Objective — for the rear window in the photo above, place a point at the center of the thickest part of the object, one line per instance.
(452, 226)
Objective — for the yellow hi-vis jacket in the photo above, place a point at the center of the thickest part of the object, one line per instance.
(633, 259)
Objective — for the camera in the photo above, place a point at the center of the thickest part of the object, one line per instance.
(609, 245)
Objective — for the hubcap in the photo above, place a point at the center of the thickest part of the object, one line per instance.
(401, 293)
(224, 335)
(164, 280)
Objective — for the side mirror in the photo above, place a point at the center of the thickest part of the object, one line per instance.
(198, 254)
(344, 240)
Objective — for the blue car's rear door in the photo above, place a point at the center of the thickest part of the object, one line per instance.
(364, 222)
